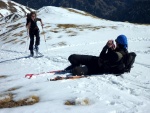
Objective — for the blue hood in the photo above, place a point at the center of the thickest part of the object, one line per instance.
(122, 39)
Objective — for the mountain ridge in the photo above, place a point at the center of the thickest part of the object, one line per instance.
(135, 11)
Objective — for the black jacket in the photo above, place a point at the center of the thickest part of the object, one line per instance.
(33, 25)
(112, 60)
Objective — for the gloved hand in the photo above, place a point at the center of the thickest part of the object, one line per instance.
(42, 25)
(111, 44)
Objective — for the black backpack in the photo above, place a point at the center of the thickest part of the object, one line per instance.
(122, 66)
(128, 61)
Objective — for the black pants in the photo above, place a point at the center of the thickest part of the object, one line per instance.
(90, 61)
(37, 42)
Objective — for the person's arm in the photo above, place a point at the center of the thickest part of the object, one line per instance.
(28, 27)
(38, 19)
(104, 52)
(109, 54)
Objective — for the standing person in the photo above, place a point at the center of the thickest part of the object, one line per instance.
(110, 59)
(33, 31)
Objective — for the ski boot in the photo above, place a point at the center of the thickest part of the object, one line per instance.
(31, 53)
(36, 49)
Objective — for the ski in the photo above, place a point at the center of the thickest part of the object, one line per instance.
(38, 53)
(31, 75)
(67, 77)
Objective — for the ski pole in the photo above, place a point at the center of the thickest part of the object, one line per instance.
(26, 45)
(45, 39)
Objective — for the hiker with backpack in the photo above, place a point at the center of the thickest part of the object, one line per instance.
(33, 30)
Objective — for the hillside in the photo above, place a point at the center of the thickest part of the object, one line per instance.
(71, 31)
(135, 11)
(8, 7)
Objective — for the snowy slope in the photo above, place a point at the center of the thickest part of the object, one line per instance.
(8, 7)
(68, 32)
(11, 11)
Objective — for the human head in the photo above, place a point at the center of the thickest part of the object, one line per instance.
(122, 41)
(33, 15)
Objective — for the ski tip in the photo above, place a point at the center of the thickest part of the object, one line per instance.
(28, 76)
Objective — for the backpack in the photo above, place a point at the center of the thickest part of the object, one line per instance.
(122, 66)
(128, 61)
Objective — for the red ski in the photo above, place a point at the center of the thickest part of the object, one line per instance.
(31, 75)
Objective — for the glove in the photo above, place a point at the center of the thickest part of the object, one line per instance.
(111, 44)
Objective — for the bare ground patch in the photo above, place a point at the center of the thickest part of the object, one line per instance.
(3, 4)
(47, 26)
(3, 76)
(20, 34)
(59, 44)
(6, 101)
(22, 42)
(14, 26)
(14, 88)
(84, 13)
(10, 41)
(54, 31)
(80, 27)
(75, 102)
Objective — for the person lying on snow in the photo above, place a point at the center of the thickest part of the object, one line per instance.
(112, 60)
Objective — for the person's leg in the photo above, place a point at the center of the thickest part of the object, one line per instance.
(93, 67)
(80, 59)
(31, 43)
(37, 42)
(77, 60)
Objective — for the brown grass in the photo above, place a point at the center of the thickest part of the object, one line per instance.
(80, 27)
(14, 26)
(113, 27)
(74, 102)
(22, 42)
(8, 102)
(59, 44)
(3, 76)
(67, 26)
(54, 31)
(62, 43)
(85, 13)
(47, 26)
(18, 34)
(3, 4)
(10, 41)
(71, 33)
(14, 88)
(70, 103)
(11, 8)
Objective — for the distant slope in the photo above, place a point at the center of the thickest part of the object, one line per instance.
(136, 11)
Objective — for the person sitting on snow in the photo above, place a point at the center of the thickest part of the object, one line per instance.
(112, 60)
(109, 61)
